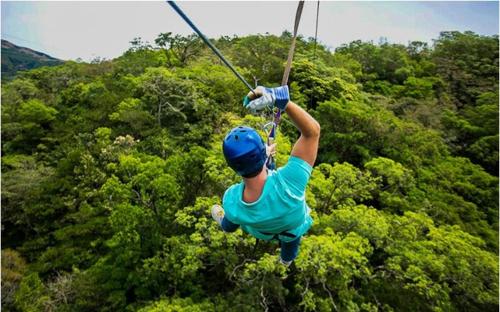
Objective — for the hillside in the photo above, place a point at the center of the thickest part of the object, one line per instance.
(16, 58)
(109, 171)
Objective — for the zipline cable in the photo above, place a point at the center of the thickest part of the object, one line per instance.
(316, 31)
(314, 52)
(208, 43)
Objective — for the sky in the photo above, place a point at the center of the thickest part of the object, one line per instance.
(90, 29)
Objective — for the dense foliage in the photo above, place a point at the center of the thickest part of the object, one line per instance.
(110, 170)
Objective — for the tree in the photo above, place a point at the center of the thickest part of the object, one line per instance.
(468, 62)
(179, 49)
(473, 131)
(340, 185)
(109, 171)
(319, 83)
(167, 98)
(13, 269)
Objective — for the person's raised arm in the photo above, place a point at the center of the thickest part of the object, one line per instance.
(306, 146)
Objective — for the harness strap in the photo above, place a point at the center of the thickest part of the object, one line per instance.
(277, 116)
(284, 233)
(298, 14)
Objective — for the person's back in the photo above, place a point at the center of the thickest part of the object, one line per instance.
(280, 208)
(270, 204)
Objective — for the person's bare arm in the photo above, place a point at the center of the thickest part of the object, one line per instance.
(306, 147)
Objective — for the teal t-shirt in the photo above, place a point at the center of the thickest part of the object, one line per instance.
(280, 208)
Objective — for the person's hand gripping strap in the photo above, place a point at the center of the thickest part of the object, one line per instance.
(267, 97)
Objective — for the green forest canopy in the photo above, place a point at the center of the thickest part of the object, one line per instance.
(110, 170)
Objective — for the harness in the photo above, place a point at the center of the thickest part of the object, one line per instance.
(276, 236)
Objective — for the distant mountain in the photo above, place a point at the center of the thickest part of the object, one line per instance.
(15, 58)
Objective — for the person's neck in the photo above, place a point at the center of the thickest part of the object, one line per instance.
(254, 186)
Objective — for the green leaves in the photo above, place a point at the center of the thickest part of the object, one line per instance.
(473, 131)
(339, 185)
(319, 82)
(130, 113)
(368, 222)
(178, 304)
(36, 112)
(27, 124)
(440, 262)
(166, 96)
(327, 265)
(386, 62)
(468, 62)
(13, 269)
(31, 296)
(109, 171)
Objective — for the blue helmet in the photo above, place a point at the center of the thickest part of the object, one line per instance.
(244, 150)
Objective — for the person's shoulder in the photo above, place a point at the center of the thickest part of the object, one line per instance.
(233, 188)
(230, 201)
(232, 192)
(299, 161)
(296, 163)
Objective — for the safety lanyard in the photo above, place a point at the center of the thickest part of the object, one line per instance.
(271, 164)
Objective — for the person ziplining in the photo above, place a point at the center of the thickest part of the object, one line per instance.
(269, 204)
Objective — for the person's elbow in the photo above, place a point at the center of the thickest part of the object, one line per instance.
(314, 130)
(317, 129)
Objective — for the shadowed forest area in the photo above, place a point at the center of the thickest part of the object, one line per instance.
(109, 170)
